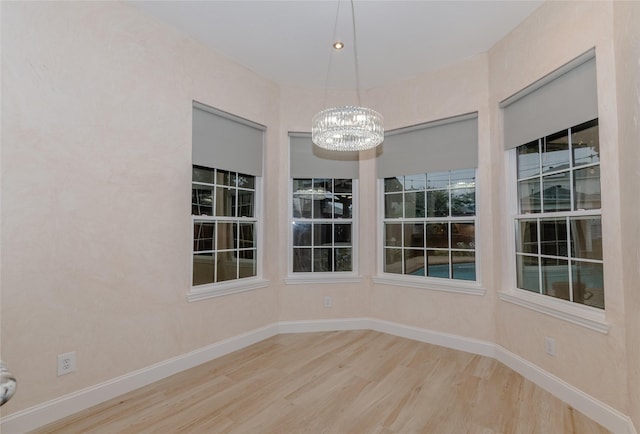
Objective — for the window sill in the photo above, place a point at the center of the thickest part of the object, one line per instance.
(457, 286)
(321, 278)
(207, 291)
(585, 316)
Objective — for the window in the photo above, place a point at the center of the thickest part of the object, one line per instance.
(224, 226)
(322, 213)
(322, 225)
(429, 225)
(225, 193)
(558, 224)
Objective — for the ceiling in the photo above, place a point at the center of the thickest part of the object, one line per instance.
(290, 42)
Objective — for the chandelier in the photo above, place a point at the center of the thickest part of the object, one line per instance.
(347, 128)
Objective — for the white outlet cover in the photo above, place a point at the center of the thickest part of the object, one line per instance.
(66, 363)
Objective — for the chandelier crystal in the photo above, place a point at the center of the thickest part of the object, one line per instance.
(347, 128)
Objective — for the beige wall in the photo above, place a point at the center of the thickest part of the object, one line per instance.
(96, 147)
(553, 35)
(627, 56)
(96, 127)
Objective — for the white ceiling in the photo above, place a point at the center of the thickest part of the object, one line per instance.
(289, 42)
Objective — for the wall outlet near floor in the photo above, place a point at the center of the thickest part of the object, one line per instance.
(328, 301)
(550, 346)
(66, 363)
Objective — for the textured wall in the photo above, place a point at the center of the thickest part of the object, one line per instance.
(96, 156)
(553, 35)
(627, 52)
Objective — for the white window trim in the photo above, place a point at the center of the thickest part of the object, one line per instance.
(211, 290)
(426, 282)
(301, 278)
(586, 316)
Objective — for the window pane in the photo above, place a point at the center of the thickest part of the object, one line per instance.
(553, 237)
(529, 194)
(342, 235)
(302, 206)
(528, 160)
(527, 236)
(414, 235)
(247, 236)
(343, 186)
(586, 238)
(202, 174)
(556, 194)
(438, 263)
(322, 185)
(323, 206)
(301, 234)
(437, 180)
(585, 143)
(246, 181)
(224, 177)
(393, 234)
(322, 234)
(527, 270)
(414, 262)
(464, 178)
(438, 235)
(463, 202)
(555, 152)
(463, 235)
(415, 182)
(587, 188)
(393, 205)
(393, 261)
(225, 201)
(414, 204)
(393, 184)
(245, 203)
(464, 265)
(201, 201)
(302, 186)
(322, 260)
(247, 263)
(301, 260)
(227, 268)
(227, 238)
(588, 283)
(342, 206)
(203, 236)
(555, 278)
(438, 203)
(203, 268)
(343, 259)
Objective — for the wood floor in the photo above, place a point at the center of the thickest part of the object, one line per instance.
(337, 382)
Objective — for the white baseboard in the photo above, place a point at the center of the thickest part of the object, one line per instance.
(50, 411)
(37, 416)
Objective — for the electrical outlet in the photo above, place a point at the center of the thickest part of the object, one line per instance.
(66, 363)
(328, 301)
(550, 346)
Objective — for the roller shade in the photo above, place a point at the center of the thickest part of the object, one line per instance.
(566, 97)
(447, 144)
(224, 141)
(310, 161)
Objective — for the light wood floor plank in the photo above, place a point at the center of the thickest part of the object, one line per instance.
(337, 382)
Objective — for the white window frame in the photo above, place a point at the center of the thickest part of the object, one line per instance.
(586, 316)
(427, 282)
(299, 278)
(210, 290)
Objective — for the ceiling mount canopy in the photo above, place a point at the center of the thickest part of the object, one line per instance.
(347, 128)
